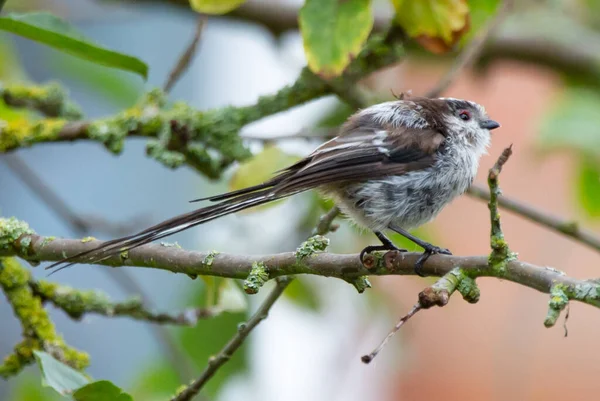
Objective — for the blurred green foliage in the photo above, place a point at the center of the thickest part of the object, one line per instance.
(480, 13)
(334, 31)
(115, 87)
(574, 124)
(54, 32)
(207, 338)
(28, 388)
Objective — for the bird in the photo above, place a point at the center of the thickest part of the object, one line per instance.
(393, 166)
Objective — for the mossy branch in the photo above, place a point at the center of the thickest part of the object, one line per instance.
(38, 329)
(50, 100)
(178, 134)
(36, 248)
(77, 303)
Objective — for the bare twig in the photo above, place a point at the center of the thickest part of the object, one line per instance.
(236, 342)
(439, 293)
(568, 228)
(186, 57)
(215, 363)
(368, 358)
(326, 222)
(83, 226)
(471, 52)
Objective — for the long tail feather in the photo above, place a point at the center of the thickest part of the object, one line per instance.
(166, 228)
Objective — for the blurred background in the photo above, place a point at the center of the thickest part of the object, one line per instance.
(539, 77)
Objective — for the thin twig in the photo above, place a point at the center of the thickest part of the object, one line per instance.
(326, 222)
(439, 293)
(77, 303)
(186, 57)
(368, 358)
(565, 227)
(323, 227)
(471, 52)
(236, 342)
(80, 225)
(83, 226)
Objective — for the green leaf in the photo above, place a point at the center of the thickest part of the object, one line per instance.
(588, 186)
(28, 387)
(435, 24)
(102, 390)
(573, 123)
(207, 338)
(62, 378)
(334, 32)
(52, 31)
(301, 294)
(215, 6)
(156, 379)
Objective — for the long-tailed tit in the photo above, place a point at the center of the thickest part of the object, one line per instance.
(393, 166)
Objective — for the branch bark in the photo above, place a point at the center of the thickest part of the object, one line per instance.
(37, 248)
(77, 303)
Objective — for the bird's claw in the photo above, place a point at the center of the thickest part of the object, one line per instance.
(429, 250)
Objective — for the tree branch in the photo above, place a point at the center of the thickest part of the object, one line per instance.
(50, 100)
(35, 248)
(38, 329)
(244, 329)
(186, 57)
(565, 227)
(77, 303)
(254, 280)
(181, 134)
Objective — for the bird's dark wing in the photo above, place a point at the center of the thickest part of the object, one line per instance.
(357, 154)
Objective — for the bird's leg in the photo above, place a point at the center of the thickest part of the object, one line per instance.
(429, 249)
(386, 245)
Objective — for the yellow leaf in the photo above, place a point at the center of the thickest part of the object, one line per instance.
(261, 168)
(215, 6)
(436, 24)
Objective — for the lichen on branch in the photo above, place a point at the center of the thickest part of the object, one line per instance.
(51, 100)
(205, 140)
(38, 330)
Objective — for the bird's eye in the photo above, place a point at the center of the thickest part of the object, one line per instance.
(464, 115)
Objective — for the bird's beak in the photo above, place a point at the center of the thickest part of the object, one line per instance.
(489, 124)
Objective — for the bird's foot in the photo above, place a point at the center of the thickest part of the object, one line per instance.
(373, 248)
(429, 250)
